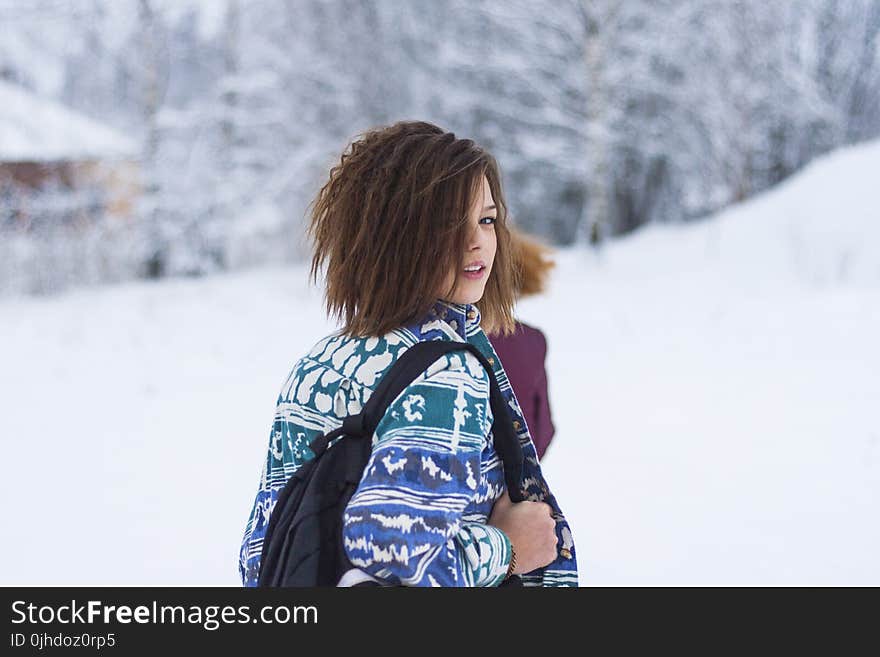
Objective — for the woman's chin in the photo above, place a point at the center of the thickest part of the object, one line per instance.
(465, 297)
(472, 299)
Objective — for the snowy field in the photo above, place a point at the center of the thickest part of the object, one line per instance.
(715, 388)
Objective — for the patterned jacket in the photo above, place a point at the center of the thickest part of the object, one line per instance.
(419, 514)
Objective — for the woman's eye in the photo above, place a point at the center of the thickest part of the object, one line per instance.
(491, 219)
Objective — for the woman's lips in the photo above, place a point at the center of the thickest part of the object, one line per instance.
(475, 275)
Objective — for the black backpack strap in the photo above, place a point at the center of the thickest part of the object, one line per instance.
(412, 363)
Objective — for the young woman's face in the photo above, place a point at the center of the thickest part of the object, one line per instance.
(480, 251)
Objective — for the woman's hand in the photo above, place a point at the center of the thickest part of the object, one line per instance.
(531, 529)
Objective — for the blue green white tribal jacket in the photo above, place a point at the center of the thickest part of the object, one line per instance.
(418, 517)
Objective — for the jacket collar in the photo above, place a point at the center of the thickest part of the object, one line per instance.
(461, 317)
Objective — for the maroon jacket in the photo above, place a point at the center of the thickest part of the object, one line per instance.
(522, 355)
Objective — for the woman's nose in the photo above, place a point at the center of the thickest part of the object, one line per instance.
(477, 239)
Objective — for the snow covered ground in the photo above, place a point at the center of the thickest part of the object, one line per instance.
(715, 388)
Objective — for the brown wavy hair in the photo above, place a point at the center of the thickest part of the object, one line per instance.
(391, 221)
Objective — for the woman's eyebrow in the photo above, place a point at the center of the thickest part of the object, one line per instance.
(489, 207)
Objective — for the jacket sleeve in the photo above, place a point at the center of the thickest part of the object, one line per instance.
(404, 523)
(485, 553)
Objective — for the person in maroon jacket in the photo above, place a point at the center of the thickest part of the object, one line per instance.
(524, 352)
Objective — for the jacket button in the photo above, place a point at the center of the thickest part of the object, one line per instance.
(516, 425)
(471, 314)
(491, 361)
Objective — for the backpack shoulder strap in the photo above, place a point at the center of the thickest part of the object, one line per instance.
(413, 362)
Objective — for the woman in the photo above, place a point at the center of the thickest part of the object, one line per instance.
(523, 353)
(411, 228)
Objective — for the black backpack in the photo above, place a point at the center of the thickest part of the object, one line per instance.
(303, 541)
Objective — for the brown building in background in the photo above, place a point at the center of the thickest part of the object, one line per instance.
(59, 167)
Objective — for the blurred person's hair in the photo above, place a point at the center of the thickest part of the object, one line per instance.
(532, 262)
(391, 221)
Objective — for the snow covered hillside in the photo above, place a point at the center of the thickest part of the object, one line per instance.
(715, 390)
